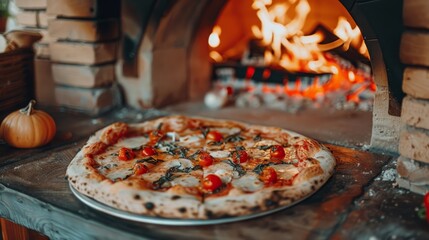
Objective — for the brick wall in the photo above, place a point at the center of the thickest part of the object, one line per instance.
(413, 164)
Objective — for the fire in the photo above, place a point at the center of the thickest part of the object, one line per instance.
(350, 36)
(291, 49)
(214, 38)
(287, 46)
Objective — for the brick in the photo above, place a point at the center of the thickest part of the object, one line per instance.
(413, 170)
(32, 4)
(416, 82)
(84, 8)
(83, 53)
(46, 38)
(42, 19)
(84, 30)
(416, 13)
(36, 19)
(415, 112)
(27, 18)
(386, 128)
(41, 50)
(414, 144)
(405, 183)
(414, 48)
(83, 75)
(43, 82)
(91, 101)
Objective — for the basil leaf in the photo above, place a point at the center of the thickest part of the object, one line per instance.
(192, 156)
(260, 167)
(234, 138)
(137, 148)
(183, 151)
(197, 167)
(166, 178)
(205, 131)
(236, 167)
(264, 147)
(150, 160)
(257, 137)
(215, 143)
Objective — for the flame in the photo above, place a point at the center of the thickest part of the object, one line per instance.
(290, 48)
(350, 36)
(352, 76)
(354, 96)
(286, 46)
(216, 56)
(214, 38)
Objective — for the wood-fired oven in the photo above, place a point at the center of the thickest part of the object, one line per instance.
(169, 56)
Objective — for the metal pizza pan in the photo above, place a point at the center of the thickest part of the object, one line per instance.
(92, 203)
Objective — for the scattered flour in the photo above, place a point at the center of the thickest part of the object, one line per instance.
(387, 175)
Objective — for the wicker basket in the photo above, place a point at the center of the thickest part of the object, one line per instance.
(16, 79)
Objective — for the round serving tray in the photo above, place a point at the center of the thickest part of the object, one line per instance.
(167, 221)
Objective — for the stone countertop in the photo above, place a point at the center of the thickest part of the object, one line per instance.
(360, 201)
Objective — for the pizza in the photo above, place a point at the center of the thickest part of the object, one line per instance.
(198, 168)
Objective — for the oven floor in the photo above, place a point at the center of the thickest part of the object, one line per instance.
(341, 127)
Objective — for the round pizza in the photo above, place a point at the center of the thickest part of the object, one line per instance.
(198, 168)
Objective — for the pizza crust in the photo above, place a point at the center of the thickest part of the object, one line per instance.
(134, 196)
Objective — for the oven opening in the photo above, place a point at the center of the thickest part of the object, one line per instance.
(301, 65)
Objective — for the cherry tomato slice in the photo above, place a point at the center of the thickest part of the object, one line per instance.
(277, 152)
(140, 168)
(214, 136)
(126, 154)
(205, 159)
(194, 124)
(155, 136)
(148, 151)
(212, 182)
(269, 175)
(240, 156)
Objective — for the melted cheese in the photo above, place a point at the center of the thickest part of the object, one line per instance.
(182, 163)
(192, 141)
(220, 154)
(186, 181)
(134, 142)
(227, 131)
(173, 136)
(152, 176)
(191, 138)
(285, 171)
(248, 183)
(223, 170)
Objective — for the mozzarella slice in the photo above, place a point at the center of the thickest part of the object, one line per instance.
(186, 181)
(173, 136)
(227, 131)
(191, 138)
(266, 143)
(192, 141)
(152, 176)
(182, 163)
(285, 171)
(248, 183)
(223, 170)
(119, 173)
(134, 142)
(220, 154)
